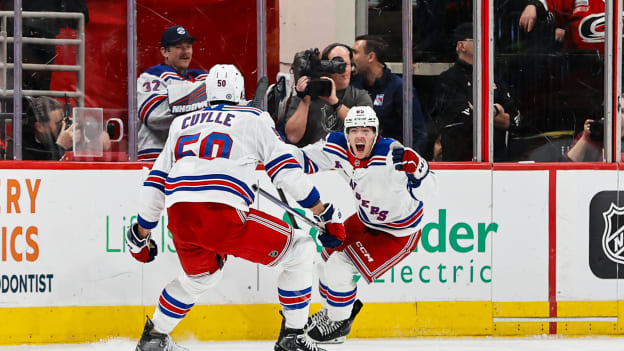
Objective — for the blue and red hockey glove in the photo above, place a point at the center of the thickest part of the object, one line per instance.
(143, 250)
(407, 160)
(335, 233)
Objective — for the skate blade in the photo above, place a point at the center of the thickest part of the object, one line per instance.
(339, 340)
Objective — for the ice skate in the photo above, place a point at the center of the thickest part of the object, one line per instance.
(294, 340)
(152, 340)
(318, 317)
(334, 332)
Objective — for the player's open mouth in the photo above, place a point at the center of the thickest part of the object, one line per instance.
(360, 147)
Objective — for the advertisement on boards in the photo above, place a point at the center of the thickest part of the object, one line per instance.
(63, 241)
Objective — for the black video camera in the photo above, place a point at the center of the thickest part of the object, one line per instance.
(596, 130)
(308, 63)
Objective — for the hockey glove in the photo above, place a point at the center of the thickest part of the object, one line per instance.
(143, 250)
(334, 230)
(407, 160)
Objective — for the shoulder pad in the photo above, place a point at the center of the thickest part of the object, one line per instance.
(160, 69)
(337, 138)
(239, 108)
(198, 74)
(382, 146)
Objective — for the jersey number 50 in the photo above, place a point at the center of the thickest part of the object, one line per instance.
(212, 146)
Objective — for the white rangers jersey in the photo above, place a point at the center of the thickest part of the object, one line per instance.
(384, 198)
(211, 156)
(154, 106)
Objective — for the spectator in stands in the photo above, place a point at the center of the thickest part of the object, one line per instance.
(308, 119)
(579, 24)
(575, 83)
(158, 91)
(452, 112)
(45, 135)
(534, 11)
(386, 90)
(588, 146)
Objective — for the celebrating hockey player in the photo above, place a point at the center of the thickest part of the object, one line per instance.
(203, 177)
(389, 183)
(166, 87)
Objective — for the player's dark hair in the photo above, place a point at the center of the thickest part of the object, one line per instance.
(376, 44)
(38, 109)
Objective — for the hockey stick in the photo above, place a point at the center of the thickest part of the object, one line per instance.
(261, 89)
(288, 209)
(282, 196)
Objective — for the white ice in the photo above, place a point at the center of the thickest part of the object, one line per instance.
(538, 343)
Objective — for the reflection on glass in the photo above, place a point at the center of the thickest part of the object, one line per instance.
(377, 57)
(6, 128)
(433, 53)
(175, 51)
(89, 138)
(555, 75)
(75, 55)
(548, 73)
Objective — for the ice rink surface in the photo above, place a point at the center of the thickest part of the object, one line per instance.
(538, 343)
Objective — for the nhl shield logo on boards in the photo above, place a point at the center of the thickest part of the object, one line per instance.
(606, 234)
(613, 235)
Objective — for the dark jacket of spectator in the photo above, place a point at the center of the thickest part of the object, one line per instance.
(36, 150)
(453, 113)
(387, 96)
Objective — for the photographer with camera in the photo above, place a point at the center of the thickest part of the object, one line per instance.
(48, 132)
(588, 146)
(324, 94)
(46, 135)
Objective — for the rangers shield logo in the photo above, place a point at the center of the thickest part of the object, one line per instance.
(378, 100)
(613, 235)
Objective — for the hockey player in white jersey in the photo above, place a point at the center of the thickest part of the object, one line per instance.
(203, 178)
(168, 90)
(389, 183)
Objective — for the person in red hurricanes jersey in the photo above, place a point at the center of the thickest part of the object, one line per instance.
(580, 24)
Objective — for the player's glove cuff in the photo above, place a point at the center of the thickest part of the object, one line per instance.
(335, 233)
(329, 214)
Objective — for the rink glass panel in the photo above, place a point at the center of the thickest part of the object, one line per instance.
(554, 84)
